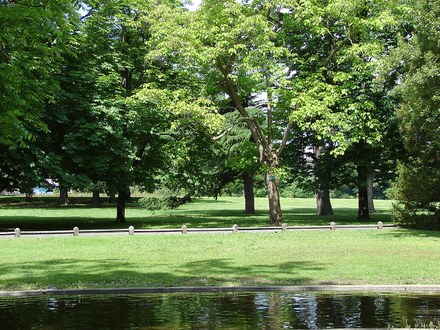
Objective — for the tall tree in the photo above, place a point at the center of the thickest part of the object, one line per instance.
(35, 37)
(418, 57)
(338, 44)
(231, 47)
(128, 127)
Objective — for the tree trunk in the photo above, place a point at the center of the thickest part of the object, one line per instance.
(120, 212)
(273, 194)
(28, 197)
(112, 198)
(64, 195)
(371, 208)
(363, 213)
(249, 199)
(323, 204)
(95, 198)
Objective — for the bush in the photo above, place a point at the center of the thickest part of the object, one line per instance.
(163, 203)
(417, 191)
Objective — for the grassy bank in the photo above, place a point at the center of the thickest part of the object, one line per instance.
(47, 213)
(285, 258)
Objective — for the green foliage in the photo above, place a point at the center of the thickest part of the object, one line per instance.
(294, 190)
(133, 93)
(418, 204)
(164, 202)
(19, 168)
(417, 188)
(33, 36)
(102, 129)
(346, 122)
(332, 94)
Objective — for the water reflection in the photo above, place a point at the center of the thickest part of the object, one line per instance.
(219, 311)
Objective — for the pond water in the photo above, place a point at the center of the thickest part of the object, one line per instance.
(219, 311)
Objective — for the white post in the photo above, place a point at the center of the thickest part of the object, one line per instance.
(235, 228)
(284, 226)
(184, 229)
(75, 231)
(131, 230)
(379, 225)
(17, 232)
(332, 226)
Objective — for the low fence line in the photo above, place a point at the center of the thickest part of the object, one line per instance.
(185, 230)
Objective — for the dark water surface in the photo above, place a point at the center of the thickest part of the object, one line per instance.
(219, 311)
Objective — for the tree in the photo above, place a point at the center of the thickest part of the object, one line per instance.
(241, 159)
(338, 45)
(100, 133)
(34, 38)
(231, 47)
(19, 169)
(418, 57)
(33, 35)
(130, 127)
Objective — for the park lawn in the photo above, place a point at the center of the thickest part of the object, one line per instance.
(45, 213)
(397, 256)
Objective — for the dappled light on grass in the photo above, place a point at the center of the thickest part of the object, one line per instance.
(255, 259)
(97, 273)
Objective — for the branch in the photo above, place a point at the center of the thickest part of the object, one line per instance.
(139, 154)
(259, 131)
(86, 15)
(284, 141)
(334, 51)
(226, 131)
(234, 123)
(239, 106)
(269, 113)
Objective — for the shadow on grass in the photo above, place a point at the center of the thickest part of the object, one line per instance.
(341, 216)
(9, 223)
(50, 202)
(73, 273)
(54, 203)
(30, 223)
(404, 233)
(200, 213)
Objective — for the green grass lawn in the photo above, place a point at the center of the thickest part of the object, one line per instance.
(285, 258)
(46, 213)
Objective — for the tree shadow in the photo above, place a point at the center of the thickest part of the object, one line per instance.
(74, 273)
(220, 270)
(293, 216)
(199, 214)
(31, 223)
(194, 219)
(410, 232)
(341, 216)
(54, 203)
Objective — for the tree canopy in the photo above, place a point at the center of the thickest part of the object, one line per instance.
(151, 94)
(33, 36)
(418, 59)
